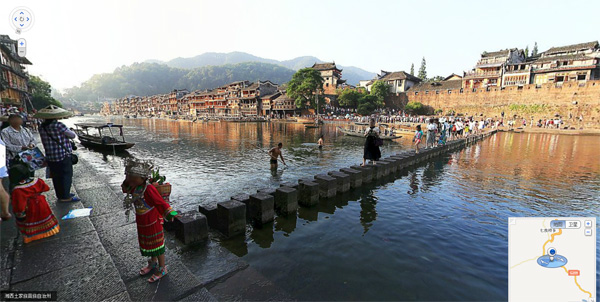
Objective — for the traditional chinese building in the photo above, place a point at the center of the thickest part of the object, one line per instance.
(398, 81)
(176, 105)
(14, 79)
(571, 63)
(283, 105)
(489, 69)
(332, 77)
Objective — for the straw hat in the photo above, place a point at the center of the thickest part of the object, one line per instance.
(52, 112)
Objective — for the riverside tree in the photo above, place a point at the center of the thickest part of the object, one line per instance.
(41, 93)
(303, 86)
(350, 98)
(412, 69)
(380, 90)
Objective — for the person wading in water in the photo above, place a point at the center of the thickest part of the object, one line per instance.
(274, 153)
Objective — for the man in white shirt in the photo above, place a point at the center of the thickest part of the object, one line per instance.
(431, 133)
(459, 128)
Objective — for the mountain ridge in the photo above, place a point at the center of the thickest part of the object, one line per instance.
(351, 73)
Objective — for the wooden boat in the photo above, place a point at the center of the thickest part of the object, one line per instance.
(362, 134)
(311, 126)
(105, 139)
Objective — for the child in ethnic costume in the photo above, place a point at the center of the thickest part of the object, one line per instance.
(150, 210)
(34, 216)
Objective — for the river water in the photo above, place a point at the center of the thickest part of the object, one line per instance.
(437, 233)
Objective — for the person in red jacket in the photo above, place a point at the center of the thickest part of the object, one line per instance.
(150, 210)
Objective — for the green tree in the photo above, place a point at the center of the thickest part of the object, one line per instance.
(380, 90)
(41, 93)
(303, 86)
(350, 98)
(412, 69)
(423, 70)
(415, 108)
(534, 52)
(367, 104)
(527, 51)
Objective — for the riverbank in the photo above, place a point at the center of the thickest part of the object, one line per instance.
(97, 258)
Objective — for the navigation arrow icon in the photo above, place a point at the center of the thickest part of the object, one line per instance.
(22, 13)
(21, 25)
(15, 18)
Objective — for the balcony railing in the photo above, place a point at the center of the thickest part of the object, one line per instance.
(475, 74)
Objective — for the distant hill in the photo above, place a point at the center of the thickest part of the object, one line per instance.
(153, 78)
(350, 73)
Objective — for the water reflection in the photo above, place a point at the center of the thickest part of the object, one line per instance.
(442, 225)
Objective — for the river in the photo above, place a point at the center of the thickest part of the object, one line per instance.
(437, 233)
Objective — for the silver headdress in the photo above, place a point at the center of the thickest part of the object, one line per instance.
(138, 167)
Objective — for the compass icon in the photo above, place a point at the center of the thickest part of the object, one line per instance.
(21, 19)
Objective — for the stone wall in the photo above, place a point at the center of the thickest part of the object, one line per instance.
(537, 101)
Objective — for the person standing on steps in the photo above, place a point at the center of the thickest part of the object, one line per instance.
(320, 142)
(150, 212)
(371, 149)
(55, 138)
(431, 134)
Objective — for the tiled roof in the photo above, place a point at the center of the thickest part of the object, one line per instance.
(499, 53)
(562, 58)
(574, 47)
(399, 75)
(432, 86)
(324, 66)
(270, 96)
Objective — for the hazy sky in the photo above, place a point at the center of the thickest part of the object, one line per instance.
(72, 40)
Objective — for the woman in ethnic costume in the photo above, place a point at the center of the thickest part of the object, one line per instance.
(150, 210)
(34, 216)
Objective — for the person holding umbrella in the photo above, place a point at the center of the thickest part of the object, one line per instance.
(55, 138)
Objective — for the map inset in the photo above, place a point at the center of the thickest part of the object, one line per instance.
(552, 259)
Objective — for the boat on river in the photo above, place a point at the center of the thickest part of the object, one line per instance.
(104, 138)
(311, 126)
(362, 134)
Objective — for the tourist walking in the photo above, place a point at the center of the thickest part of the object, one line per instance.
(417, 139)
(55, 138)
(431, 134)
(150, 210)
(34, 217)
(274, 153)
(371, 149)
